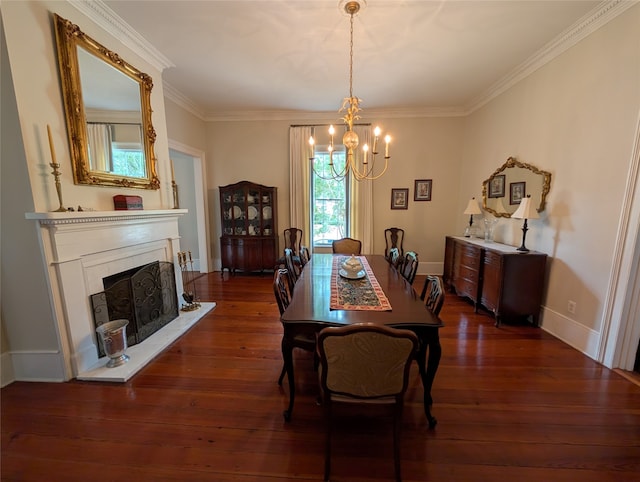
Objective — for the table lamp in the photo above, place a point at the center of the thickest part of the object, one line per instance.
(472, 208)
(525, 211)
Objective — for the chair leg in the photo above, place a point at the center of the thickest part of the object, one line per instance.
(327, 447)
(396, 442)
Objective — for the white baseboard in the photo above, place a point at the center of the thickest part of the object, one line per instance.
(433, 268)
(571, 332)
(6, 370)
(49, 366)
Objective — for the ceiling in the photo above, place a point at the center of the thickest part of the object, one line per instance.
(240, 56)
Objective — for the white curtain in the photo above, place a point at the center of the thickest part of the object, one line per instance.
(299, 181)
(361, 212)
(99, 141)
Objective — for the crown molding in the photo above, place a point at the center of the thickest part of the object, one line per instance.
(107, 19)
(599, 16)
(174, 95)
(315, 116)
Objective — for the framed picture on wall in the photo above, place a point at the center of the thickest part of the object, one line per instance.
(422, 190)
(399, 198)
(516, 192)
(496, 186)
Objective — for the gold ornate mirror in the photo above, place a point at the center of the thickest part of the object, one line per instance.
(108, 108)
(502, 192)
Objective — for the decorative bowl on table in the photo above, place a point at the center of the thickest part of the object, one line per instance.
(352, 268)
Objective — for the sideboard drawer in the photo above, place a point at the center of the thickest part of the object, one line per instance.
(470, 257)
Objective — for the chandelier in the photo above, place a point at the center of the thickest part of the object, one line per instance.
(361, 167)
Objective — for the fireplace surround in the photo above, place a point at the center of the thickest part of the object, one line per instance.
(82, 248)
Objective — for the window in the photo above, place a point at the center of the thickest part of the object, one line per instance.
(329, 198)
(128, 159)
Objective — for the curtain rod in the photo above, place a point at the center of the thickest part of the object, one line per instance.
(324, 125)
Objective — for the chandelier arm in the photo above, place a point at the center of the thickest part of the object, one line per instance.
(368, 175)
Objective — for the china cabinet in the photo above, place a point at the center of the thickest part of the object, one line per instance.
(505, 281)
(249, 236)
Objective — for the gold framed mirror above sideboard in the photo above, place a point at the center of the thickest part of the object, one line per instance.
(108, 113)
(502, 191)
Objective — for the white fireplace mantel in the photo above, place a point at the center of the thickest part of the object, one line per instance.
(82, 248)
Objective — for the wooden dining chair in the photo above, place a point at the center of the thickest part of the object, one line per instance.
(366, 364)
(304, 256)
(394, 257)
(293, 240)
(283, 293)
(409, 266)
(393, 238)
(292, 267)
(433, 294)
(346, 246)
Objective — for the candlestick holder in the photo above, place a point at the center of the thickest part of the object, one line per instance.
(56, 176)
(174, 188)
(188, 282)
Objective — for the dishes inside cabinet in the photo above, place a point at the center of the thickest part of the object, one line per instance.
(237, 212)
(252, 212)
(266, 212)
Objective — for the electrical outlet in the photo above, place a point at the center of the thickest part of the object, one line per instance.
(571, 306)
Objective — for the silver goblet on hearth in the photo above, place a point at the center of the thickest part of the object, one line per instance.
(113, 336)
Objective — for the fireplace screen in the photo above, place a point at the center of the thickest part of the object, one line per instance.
(146, 296)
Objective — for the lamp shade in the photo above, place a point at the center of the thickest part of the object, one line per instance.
(526, 210)
(472, 207)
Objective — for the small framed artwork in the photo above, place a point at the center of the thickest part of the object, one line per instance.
(516, 192)
(399, 198)
(422, 190)
(496, 186)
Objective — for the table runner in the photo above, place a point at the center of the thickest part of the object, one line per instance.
(362, 294)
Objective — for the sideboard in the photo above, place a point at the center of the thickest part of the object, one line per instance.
(507, 282)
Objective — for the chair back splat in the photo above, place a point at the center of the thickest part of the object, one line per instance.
(292, 266)
(433, 294)
(409, 266)
(393, 238)
(394, 257)
(365, 363)
(282, 289)
(293, 239)
(347, 246)
(305, 256)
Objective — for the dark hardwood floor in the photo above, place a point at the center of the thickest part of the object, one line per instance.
(513, 404)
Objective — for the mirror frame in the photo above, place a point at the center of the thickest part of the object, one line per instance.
(513, 162)
(68, 38)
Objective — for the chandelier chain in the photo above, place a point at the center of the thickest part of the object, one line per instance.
(351, 61)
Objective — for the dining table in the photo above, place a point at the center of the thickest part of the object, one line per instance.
(325, 295)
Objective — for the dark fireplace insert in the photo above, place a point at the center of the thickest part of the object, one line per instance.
(146, 296)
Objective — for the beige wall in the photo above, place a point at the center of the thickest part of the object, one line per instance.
(575, 117)
(423, 148)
